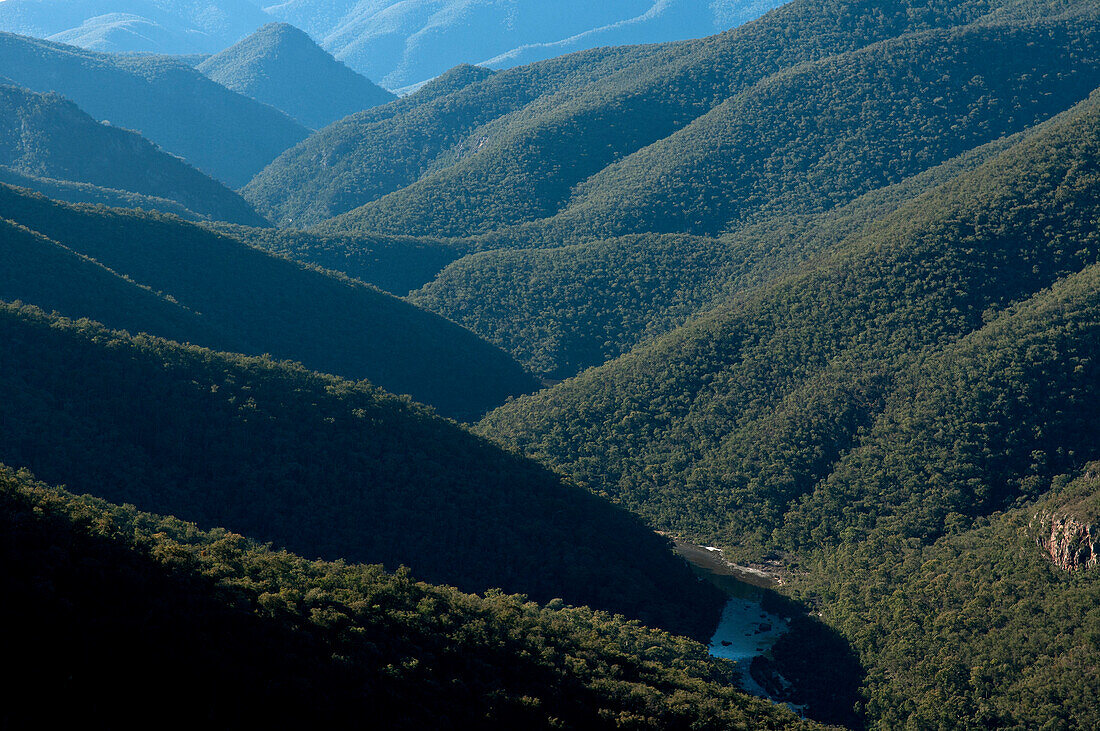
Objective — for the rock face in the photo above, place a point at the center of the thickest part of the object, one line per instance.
(1070, 543)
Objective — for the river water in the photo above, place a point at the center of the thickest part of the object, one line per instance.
(745, 629)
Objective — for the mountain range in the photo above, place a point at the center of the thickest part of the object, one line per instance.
(44, 144)
(224, 134)
(235, 297)
(818, 295)
(397, 44)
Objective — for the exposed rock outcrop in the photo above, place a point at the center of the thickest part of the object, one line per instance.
(1070, 543)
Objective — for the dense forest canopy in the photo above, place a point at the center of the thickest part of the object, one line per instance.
(820, 294)
(245, 300)
(321, 466)
(106, 590)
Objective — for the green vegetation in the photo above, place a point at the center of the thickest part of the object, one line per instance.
(282, 66)
(561, 310)
(976, 630)
(103, 590)
(396, 264)
(370, 154)
(322, 467)
(802, 140)
(870, 416)
(514, 146)
(256, 303)
(45, 140)
(826, 293)
(720, 428)
(222, 133)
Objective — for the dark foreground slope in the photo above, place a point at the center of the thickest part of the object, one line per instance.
(323, 467)
(282, 66)
(222, 133)
(47, 136)
(245, 636)
(257, 303)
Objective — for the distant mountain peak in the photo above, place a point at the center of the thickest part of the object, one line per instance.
(281, 65)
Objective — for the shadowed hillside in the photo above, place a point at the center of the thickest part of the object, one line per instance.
(222, 133)
(49, 144)
(258, 303)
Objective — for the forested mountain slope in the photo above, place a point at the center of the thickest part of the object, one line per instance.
(46, 136)
(561, 310)
(530, 154)
(323, 467)
(103, 590)
(396, 264)
(282, 66)
(720, 428)
(980, 627)
(35, 269)
(222, 133)
(803, 140)
(259, 303)
(368, 155)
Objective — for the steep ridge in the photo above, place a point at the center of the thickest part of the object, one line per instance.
(46, 136)
(70, 192)
(36, 269)
(103, 589)
(222, 133)
(530, 158)
(803, 140)
(263, 304)
(979, 427)
(717, 429)
(282, 66)
(561, 310)
(370, 154)
(322, 467)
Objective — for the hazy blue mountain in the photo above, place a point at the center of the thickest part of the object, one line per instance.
(401, 44)
(49, 144)
(397, 44)
(282, 66)
(224, 134)
(124, 26)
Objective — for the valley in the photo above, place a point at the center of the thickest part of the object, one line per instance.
(645, 365)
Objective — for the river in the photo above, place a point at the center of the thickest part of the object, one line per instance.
(745, 630)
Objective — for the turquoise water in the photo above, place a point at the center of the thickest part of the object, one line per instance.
(744, 632)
